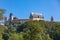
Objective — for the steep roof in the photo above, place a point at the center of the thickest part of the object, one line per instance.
(36, 15)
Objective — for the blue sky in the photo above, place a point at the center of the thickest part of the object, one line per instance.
(22, 8)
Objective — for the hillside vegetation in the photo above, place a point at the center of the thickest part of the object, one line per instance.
(31, 30)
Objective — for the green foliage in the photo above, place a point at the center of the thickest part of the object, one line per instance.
(21, 36)
(2, 11)
(34, 31)
(14, 37)
(2, 29)
(1, 38)
(55, 34)
(31, 30)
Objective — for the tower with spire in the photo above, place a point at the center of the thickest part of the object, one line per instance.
(11, 17)
(52, 19)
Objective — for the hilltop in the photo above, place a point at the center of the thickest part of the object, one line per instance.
(32, 30)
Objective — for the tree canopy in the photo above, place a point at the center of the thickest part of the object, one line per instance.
(31, 30)
(2, 11)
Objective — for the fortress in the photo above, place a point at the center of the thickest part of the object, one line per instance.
(33, 16)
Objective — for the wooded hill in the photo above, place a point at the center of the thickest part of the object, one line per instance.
(31, 30)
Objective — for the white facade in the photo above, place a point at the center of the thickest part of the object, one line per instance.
(38, 19)
(12, 17)
(36, 16)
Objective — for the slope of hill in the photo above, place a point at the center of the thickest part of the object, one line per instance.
(32, 30)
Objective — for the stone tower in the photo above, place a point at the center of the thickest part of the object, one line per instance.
(51, 23)
(11, 17)
(52, 19)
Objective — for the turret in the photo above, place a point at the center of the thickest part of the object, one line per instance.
(52, 27)
(52, 19)
(31, 16)
(11, 16)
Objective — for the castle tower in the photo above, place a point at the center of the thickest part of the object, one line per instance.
(52, 19)
(11, 16)
(10, 19)
(31, 16)
(52, 23)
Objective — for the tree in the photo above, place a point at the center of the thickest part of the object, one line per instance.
(1, 38)
(2, 29)
(13, 36)
(56, 32)
(33, 31)
(2, 11)
(21, 36)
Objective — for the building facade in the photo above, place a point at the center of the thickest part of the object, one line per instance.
(33, 16)
(36, 16)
